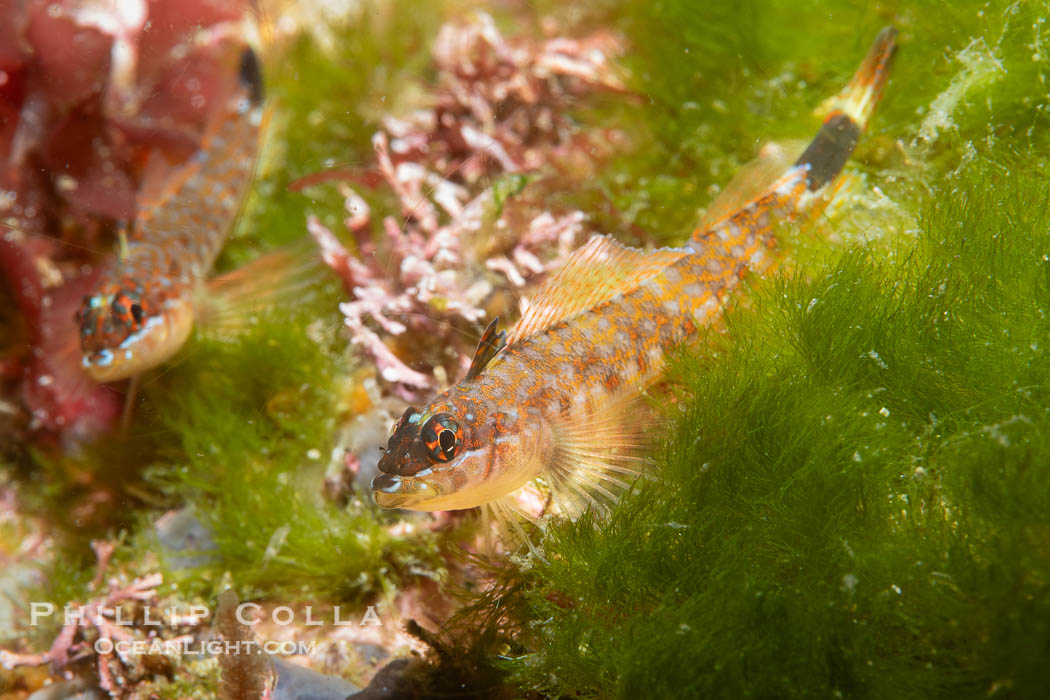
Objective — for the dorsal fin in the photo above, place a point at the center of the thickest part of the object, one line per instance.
(599, 270)
(751, 181)
(488, 347)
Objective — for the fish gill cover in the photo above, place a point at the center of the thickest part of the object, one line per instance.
(852, 496)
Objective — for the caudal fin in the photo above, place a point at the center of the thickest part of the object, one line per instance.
(850, 112)
(748, 225)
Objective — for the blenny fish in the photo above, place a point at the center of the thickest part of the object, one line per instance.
(555, 404)
(147, 298)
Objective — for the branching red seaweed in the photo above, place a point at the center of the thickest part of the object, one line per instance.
(465, 244)
(104, 626)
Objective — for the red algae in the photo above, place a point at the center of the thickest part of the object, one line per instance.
(498, 119)
(90, 94)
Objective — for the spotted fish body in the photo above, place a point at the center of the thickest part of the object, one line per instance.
(143, 308)
(556, 401)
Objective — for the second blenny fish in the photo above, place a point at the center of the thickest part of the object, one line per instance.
(556, 401)
(146, 302)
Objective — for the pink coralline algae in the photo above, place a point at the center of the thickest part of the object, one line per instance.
(108, 616)
(469, 172)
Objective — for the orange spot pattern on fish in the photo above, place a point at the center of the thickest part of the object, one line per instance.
(179, 231)
(556, 401)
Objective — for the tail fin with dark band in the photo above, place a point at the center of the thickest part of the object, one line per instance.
(749, 226)
(851, 110)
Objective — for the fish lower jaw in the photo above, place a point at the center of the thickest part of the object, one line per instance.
(399, 500)
(410, 501)
(419, 501)
(398, 492)
(392, 491)
(391, 500)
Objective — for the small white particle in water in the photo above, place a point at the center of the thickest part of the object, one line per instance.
(812, 303)
(896, 589)
(856, 456)
(314, 454)
(849, 582)
(273, 547)
(44, 380)
(884, 412)
(878, 360)
(65, 183)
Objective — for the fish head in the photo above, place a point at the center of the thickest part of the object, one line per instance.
(124, 331)
(453, 455)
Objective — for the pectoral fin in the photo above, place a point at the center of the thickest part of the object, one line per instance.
(227, 303)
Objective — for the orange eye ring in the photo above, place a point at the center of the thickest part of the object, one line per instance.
(442, 436)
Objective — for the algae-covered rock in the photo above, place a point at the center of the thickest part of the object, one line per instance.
(853, 499)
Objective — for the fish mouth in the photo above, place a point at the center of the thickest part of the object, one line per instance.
(392, 491)
(155, 343)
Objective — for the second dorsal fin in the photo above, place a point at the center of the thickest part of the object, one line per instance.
(599, 270)
(752, 181)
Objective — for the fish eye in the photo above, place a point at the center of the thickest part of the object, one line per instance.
(136, 311)
(442, 436)
(447, 441)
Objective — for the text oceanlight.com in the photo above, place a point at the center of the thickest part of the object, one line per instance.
(213, 647)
